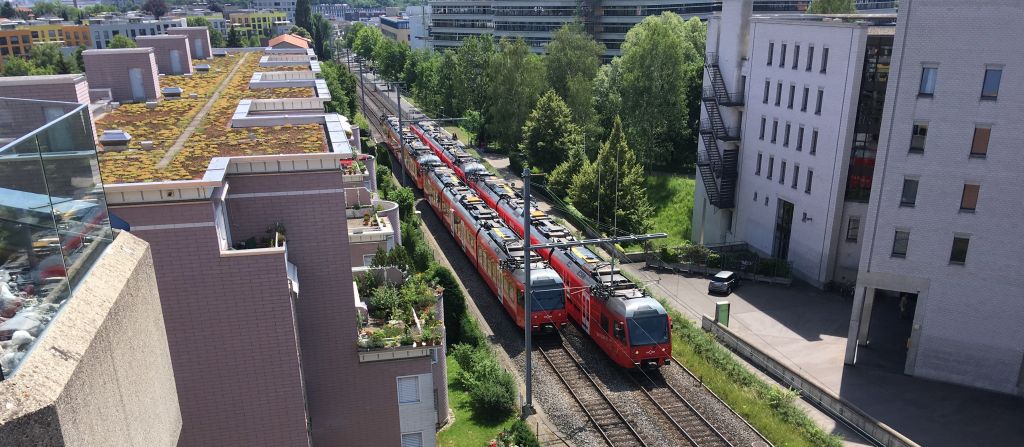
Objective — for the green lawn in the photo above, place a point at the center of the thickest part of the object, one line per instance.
(468, 429)
(671, 195)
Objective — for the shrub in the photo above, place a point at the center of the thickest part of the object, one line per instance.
(519, 434)
(494, 392)
(668, 255)
(406, 201)
(384, 302)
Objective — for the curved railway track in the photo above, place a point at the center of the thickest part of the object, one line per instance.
(608, 420)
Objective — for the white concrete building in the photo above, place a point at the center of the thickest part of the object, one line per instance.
(288, 6)
(943, 227)
(104, 29)
(419, 23)
(790, 103)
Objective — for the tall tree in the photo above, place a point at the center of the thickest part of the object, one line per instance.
(611, 189)
(471, 65)
(607, 101)
(17, 66)
(216, 38)
(366, 41)
(121, 41)
(352, 32)
(303, 14)
(323, 37)
(572, 60)
(515, 79)
(549, 133)
(299, 31)
(234, 38)
(390, 57)
(7, 11)
(832, 7)
(156, 7)
(658, 68)
(45, 55)
(560, 179)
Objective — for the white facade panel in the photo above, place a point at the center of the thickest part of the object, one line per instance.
(418, 416)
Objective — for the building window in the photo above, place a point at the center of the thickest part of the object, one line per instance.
(782, 56)
(796, 175)
(771, 166)
(810, 179)
(817, 105)
(918, 137)
(958, 255)
(792, 93)
(900, 242)
(771, 52)
(778, 94)
(928, 75)
(775, 130)
(796, 56)
(408, 390)
(852, 229)
(810, 57)
(767, 87)
(990, 87)
(979, 146)
(909, 196)
(800, 138)
(803, 104)
(757, 167)
(785, 136)
(814, 141)
(969, 199)
(824, 60)
(412, 439)
(782, 172)
(763, 122)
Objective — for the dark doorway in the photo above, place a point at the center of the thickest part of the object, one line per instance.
(892, 318)
(783, 227)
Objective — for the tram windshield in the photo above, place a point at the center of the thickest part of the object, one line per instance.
(648, 330)
(548, 299)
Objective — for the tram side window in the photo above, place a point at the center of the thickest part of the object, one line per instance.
(604, 323)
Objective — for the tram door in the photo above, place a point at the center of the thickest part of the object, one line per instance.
(586, 311)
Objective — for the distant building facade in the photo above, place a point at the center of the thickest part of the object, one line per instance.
(105, 28)
(395, 28)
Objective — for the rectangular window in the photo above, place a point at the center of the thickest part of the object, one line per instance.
(778, 94)
(771, 52)
(810, 57)
(803, 104)
(775, 130)
(408, 390)
(767, 87)
(782, 56)
(810, 179)
(763, 122)
(990, 86)
(852, 229)
(412, 439)
(792, 93)
(817, 105)
(958, 255)
(969, 199)
(757, 167)
(782, 172)
(771, 166)
(800, 138)
(824, 60)
(785, 137)
(928, 75)
(979, 146)
(900, 242)
(909, 196)
(796, 176)
(796, 56)
(814, 141)
(918, 137)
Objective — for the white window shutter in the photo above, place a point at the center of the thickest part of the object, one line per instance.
(408, 390)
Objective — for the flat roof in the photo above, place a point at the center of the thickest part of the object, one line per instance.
(120, 50)
(42, 79)
(170, 159)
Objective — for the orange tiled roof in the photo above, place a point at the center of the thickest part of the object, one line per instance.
(296, 41)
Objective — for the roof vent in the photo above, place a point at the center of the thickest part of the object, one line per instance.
(171, 92)
(115, 140)
(203, 67)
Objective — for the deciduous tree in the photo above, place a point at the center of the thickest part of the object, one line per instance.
(515, 79)
(572, 61)
(156, 7)
(549, 134)
(832, 7)
(304, 14)
(121, 41)
(234, 38)
(7, 11)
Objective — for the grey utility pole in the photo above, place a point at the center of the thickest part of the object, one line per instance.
(362, 88)
(401, 144)
(528, 293)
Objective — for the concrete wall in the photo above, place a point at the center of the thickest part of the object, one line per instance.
(66, 88)
(163, 46)
(198, 40)
(101, 374)
(110, 69)
(967, 325)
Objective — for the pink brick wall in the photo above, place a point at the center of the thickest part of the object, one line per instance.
(63, 91)
(110, 68)
(163, 46)
(201, 51)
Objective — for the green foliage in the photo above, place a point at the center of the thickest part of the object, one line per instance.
(303, 14)
(352, 33)
(611, 189)
(515, 79)
(607, 100)
(671, 196)
(46, 55)
(121, 41)
(560, 179)
(572, 62)
(7, 11)
(197, 21)
(549, 134)
(492, 390)
(16, 66)
(406, 201)
(342, 85)
(216, 38)
(156, 7)
(390, 57)
(832, 7)
(253, 41)
(384, 302)
(234, 38)
(323, 37)
(299, 31)
(471, 63)
(420, 255)
(518, 435)
(366, 41)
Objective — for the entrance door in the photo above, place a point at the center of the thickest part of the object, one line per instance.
(135, 80)
(200, 51)
(783, 227)
(175, 62)
(585, 295)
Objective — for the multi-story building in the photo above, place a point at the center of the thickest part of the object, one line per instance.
(106, 27)
(84, 357)
(216, 19)
(941, 229)
(419, 22)
(396, 28)
(256, 224)
(259, 23)
(286, 6)
(791, 109)
(17, 37)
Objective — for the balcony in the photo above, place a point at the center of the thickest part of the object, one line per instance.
(398, 318)
(53, 217)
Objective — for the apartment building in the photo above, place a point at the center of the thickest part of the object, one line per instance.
(791, 110)
(395, 28)
(216, 19)
(256, 225)
(106, 27)
(419, 22)
(259, 23)
(285, 6)
(83, 351)
(17, 37)
(941, 230)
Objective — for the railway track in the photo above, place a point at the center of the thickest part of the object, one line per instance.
(608, 420)
(680, 413)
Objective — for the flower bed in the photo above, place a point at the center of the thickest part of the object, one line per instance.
(399, 315)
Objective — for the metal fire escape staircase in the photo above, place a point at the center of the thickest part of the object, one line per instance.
(717, 166)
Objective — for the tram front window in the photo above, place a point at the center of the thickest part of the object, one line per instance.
(548, 299)
(648, 330)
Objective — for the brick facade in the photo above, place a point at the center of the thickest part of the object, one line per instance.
(111, 69)
(64, 88)
(166, 48)
(198, 40)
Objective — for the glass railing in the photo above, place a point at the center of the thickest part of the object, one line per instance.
(53, 217)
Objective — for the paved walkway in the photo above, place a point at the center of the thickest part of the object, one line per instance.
(806, 329)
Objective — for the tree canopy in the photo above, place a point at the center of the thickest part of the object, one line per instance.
(572, 62)
(515, 79)
(121, 41)
(832, 7)
(549, 134)
(156, 7)
(299, 31)
(303, 14)
(7, 11)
